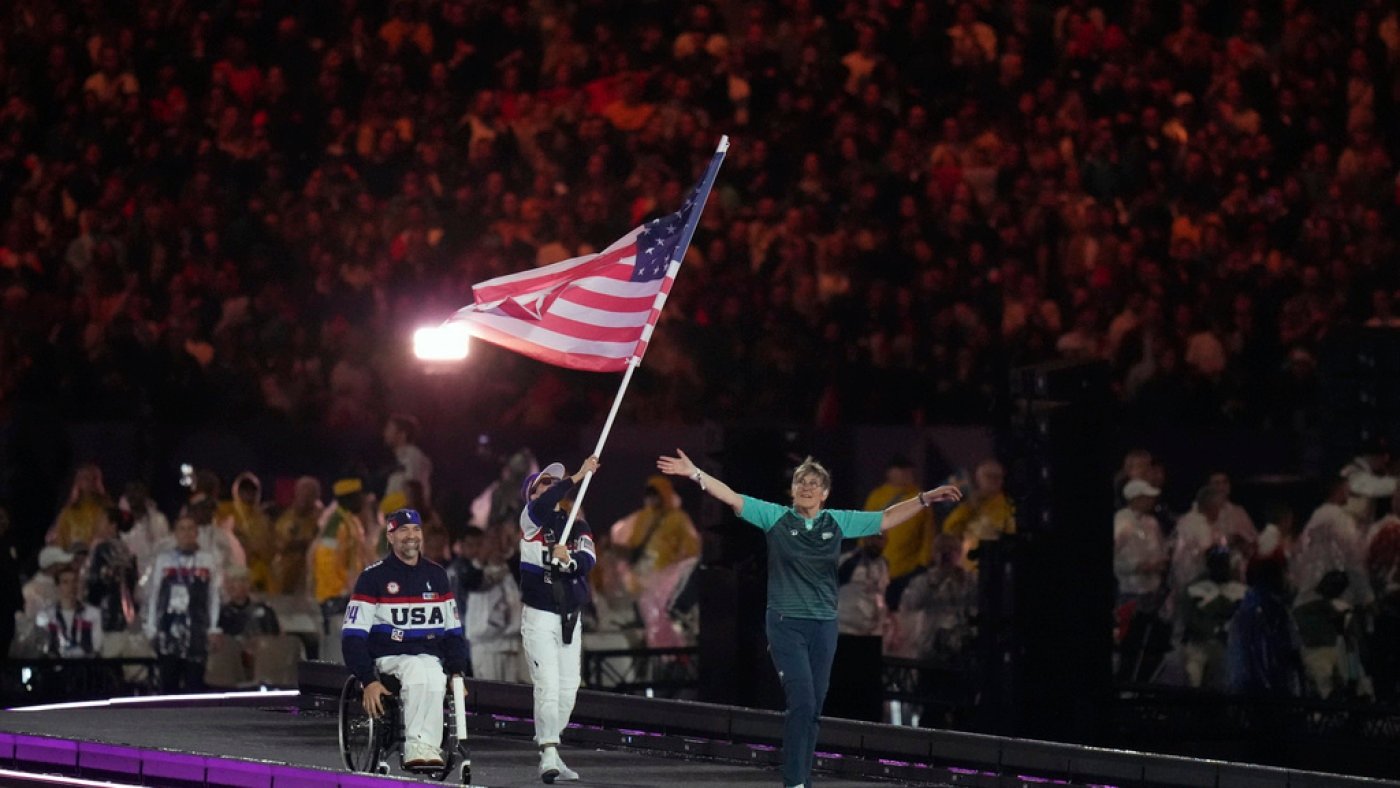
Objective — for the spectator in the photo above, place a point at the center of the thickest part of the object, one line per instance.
(938, 606)
(337, 556)
(1136, 465)
(986, 514)
(410, 463)
(41, 591)
(909, 544)
(1326, 631)
(70, 628)
(293, 534)
(182, 616)
(464, 570)
(1367, 479)
(87, 504)
(655, 541)
(246, 624)
(111, 585)
(500, 501)
(437, 545)
(1196, 532)
(241, 616)
(493, 611)
(1263, 648)
(1331, 541)
(1139, 563)
(862, 578)
(1211, 602)
(251, 526)
(149, 529)
(1236, 523)
(216, 535)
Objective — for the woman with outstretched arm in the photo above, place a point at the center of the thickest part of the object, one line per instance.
(804, 545)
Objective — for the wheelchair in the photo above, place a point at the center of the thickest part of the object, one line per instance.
(367, 743)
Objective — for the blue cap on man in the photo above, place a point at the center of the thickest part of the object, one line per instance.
(400, 517)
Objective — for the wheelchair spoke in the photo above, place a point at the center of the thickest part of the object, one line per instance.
(358, 731)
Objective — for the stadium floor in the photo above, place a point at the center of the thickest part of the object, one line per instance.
(290, 736)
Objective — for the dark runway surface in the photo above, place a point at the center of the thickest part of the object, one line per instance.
(281, 735)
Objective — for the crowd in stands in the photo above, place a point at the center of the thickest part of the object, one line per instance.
(1298, 607)
(232, 591)
(1208, 598)
(217, 210)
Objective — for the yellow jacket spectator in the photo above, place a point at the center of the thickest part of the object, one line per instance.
(985, 515)
(655, 536)
(87, 504)
(252, 527)
(293, 534)
(337, 556)
(908, 545)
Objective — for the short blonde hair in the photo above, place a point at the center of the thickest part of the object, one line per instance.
(811, 467)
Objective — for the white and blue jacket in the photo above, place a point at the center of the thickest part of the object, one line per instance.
(540, 526)
(397, 609)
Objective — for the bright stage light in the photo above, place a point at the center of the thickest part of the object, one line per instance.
(447, 342)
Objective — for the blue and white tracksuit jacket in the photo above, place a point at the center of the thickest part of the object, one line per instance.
(540, 526)
(399, 609)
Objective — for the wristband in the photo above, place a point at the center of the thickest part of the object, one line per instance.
(922, 502)
(699, 479)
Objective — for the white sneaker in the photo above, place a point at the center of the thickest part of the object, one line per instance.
(565, 773)
(549, 765)
(418, 755)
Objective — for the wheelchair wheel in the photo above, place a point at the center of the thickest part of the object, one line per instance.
(359, 732)
(466, 772)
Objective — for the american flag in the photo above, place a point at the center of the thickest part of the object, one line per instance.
(595, 312)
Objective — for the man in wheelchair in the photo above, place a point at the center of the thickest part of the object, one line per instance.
(402, 621)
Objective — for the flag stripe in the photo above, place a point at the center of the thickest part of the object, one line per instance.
(572, 359)
(547, 337)
(599, 317)
(589, 331)
(606, 302)
(622, 289)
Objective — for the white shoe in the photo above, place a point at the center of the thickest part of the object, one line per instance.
(565, 773)
(549, 765)
(418, 755)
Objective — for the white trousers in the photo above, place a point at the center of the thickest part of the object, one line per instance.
(424, 686)
(554, 670)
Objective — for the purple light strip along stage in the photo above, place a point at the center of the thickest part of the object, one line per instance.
(118, 762)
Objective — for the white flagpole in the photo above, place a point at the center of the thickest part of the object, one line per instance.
(702, 195)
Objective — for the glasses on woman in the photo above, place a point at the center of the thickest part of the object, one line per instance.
(808, 482)
(545, 481)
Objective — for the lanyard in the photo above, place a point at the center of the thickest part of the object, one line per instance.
(67, 632)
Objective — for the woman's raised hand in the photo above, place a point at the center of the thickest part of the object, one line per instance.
(676, 466)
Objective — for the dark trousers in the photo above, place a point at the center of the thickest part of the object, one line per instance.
(180, 675)
(802, 650)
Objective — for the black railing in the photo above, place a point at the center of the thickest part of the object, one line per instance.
(663, 672)
(42, 680)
